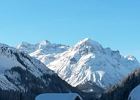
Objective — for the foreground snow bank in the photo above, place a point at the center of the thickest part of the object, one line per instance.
(59, 96)
(135, 94)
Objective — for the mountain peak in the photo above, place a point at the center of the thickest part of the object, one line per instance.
(86, 40)
(131, 58)
(88, 43)
(45, 42)
(23, 44)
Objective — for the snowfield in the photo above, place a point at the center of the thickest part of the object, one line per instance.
(135, 94)
(58, 96)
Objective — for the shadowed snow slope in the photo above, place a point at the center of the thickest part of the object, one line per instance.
(20, 74)
(11, 60)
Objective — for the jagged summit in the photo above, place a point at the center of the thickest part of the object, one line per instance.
(45, 51)
(87, 46)
(43, 45)
(23, 44)
(131, 58)
(45, 42)
(88, 42)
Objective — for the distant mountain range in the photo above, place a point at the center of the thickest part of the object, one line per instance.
(85, 65)
(87, 68)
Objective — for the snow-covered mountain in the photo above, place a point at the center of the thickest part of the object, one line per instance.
(20, 73)
(86, 63)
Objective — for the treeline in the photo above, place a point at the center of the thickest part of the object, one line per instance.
(122, 90)
(15, 95)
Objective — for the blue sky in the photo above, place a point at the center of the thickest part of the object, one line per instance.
(113, 23)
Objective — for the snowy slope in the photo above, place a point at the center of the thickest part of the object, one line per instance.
(135, 94)
(85, 63)
(58, 96)
(11, 59)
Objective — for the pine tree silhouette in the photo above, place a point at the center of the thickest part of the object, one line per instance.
(77, 98)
